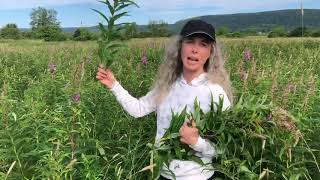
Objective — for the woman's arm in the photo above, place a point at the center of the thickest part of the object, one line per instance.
(135, 107)
(190, 135)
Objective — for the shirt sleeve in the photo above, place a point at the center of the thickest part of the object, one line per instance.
(217, 93)
(135, 107)
(203, 146)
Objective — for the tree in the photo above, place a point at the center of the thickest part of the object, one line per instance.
(10, 31)
(50, 33)
(316, 33)
(45, 25)
(130, 30)
(158, 29)
(278, 32)
(298, 32)
(42, 17)
(82, 34)
(222, 31)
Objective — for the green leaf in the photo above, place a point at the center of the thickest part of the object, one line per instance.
(110, 7)
(102, 15)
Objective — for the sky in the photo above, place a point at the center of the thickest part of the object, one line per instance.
(79, 13)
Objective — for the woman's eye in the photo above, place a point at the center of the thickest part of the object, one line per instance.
(204, 45)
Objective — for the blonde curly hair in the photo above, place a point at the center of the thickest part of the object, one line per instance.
(171, 69)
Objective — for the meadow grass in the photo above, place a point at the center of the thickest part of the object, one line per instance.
(47, 134)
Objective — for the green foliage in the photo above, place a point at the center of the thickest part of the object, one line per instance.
(41, 17)
(158, 29)
(108, 45)
(50, 33)
(252, 138)
(10, 31)
(82, 34)
(316, 33)
(39, 119)
(236, 34)
(298, 32)
(222, 31)
(262, 21)
(278, 32)
(130, 30)
(45, 26)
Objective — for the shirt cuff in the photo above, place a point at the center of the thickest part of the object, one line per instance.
(115, 87)
(201, 143)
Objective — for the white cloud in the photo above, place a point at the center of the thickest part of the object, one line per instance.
(163, 5)
(22, 4)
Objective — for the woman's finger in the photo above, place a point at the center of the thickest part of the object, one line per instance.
(102, 70)
(193, 123)
(183, 140)
(102, 75)
(99, 77)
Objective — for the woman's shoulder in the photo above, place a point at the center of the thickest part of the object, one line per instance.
(216, 88)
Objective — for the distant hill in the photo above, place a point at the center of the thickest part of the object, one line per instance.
(260, 21)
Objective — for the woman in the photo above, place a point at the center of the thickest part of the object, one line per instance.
(193, 68)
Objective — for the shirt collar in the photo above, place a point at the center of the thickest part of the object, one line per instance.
(201, 79)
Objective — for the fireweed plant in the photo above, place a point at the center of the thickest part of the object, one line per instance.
(253, 140)
(47, 117)
(109, 41)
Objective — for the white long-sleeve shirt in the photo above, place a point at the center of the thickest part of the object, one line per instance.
(181, 94)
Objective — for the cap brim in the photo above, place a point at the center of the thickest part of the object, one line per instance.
(201, 32)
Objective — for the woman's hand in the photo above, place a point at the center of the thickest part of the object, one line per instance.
(105, 76)
(189, 135)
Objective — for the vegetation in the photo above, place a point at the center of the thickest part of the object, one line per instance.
(57, 122)
(82, 34)
(45, 25)
(10, 31)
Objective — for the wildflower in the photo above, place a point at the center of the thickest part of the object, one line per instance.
(76, 97)
(144, 60)
(52, 68)
(244, 75)
(88, 60)
(291, 87)
(247, 55)
(269, 117)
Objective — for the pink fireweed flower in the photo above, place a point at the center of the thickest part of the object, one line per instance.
(244, 75)
(52, 68)
(76, 97)
(269, 117)
(144, 60)
(247, 55)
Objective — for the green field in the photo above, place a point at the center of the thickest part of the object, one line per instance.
(47, 132)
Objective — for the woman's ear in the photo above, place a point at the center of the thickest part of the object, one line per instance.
(212, 48)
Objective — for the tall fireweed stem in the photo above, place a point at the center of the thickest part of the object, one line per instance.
(310, 92)
(4, 104)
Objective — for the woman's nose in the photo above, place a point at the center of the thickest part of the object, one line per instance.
(194, 49)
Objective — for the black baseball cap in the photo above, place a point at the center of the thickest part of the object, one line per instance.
(198, 26)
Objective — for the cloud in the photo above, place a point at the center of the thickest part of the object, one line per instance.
(23, 4)
(164, 5)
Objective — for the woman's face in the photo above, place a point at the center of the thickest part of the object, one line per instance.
(195, 52)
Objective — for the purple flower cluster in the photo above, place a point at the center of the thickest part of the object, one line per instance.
(52, 68)
(269, 117)
(247, 55)
(144, 60)
(76, 97)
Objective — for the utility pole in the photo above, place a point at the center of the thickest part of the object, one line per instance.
(302, 14)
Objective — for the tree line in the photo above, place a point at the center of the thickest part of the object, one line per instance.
(45, 25)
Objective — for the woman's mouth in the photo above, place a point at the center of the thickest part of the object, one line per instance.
(193, 59)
